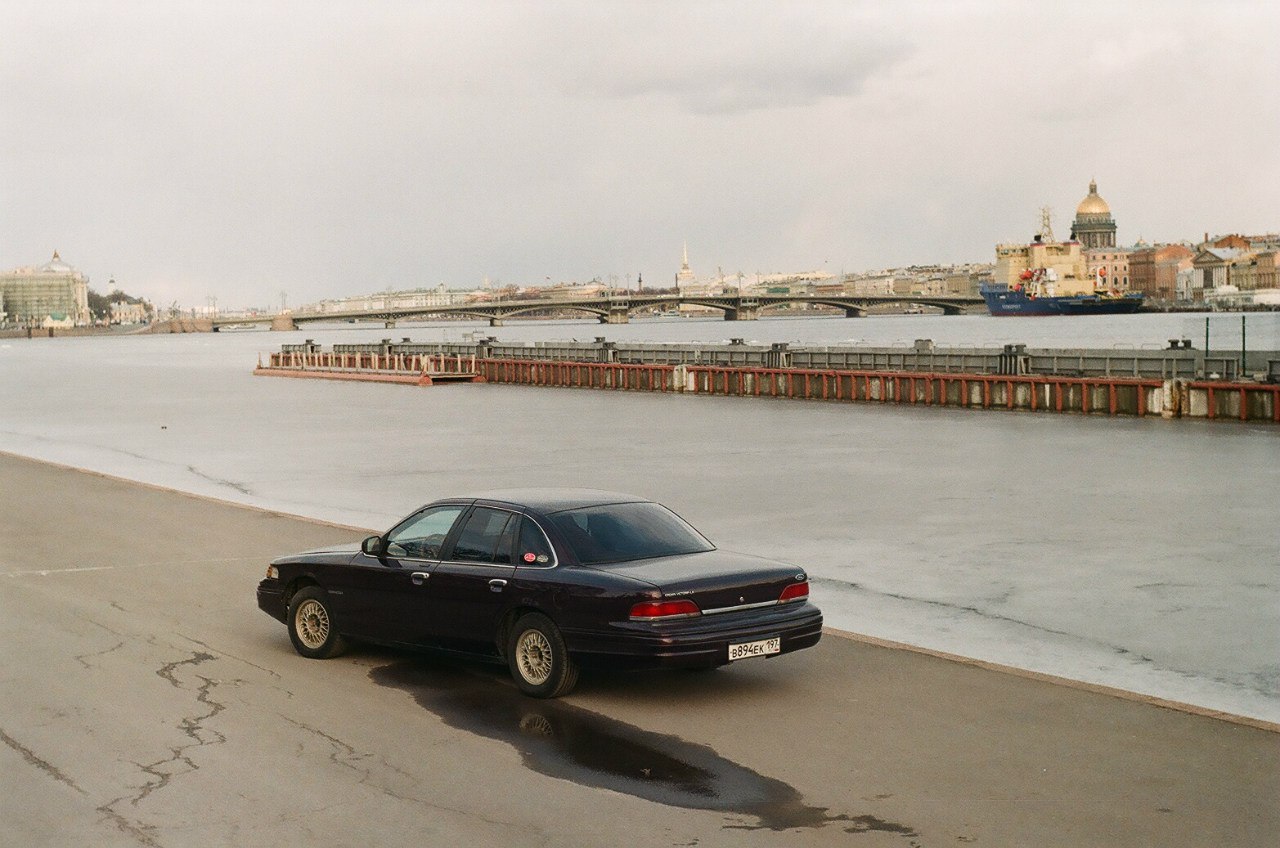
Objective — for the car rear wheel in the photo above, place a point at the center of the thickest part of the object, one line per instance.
(311, 626)
(539, 659)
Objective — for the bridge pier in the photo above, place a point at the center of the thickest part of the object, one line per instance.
(743, 309)
(616, 316)
(495, 321)
(855, 312)
(390, 323)
(954, 310)
(284, 322)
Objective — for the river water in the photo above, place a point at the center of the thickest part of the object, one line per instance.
(1143, 555)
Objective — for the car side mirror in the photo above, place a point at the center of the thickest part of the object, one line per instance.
(372, 545)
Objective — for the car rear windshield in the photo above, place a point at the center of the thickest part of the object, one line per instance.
(627, 531)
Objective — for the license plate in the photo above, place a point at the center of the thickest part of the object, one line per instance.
(755, 649)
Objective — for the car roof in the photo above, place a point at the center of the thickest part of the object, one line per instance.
(555, 500)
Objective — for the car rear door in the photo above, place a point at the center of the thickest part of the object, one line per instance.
(469, 587)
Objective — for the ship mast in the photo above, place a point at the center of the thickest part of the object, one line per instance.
(1046, 224)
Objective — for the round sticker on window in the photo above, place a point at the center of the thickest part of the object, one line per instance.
(543, 558)
(530, 557)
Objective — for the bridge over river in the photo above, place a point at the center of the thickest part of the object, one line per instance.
(613, 309)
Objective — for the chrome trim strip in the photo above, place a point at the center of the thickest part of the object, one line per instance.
(555, 560)
(740, 607)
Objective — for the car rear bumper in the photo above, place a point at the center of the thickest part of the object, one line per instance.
(271, 600)
(699, 642)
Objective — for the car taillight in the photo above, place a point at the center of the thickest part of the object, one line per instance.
(650, 610)
(794, 592)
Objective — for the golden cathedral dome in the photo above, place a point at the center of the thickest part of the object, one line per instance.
(1093, 204)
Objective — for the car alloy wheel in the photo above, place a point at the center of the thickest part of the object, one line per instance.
(312, 621)
(539, 658)
(312, 628)
(533, 657)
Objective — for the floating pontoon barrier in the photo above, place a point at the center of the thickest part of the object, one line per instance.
(1173, 397)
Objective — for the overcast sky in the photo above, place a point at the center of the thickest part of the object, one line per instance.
(238, 150)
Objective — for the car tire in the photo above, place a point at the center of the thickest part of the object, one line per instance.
(312, 627)
(539, 659)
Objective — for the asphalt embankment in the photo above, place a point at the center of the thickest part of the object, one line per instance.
(146, 701)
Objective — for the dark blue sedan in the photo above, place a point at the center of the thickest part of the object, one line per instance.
(547, 581)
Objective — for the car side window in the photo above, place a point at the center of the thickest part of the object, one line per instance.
(532, 547)
(481, 536)
(422, 535)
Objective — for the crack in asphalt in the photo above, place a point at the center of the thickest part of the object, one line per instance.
(222, 653)
(83, 659)
(141, 832)
(39, 762)
(138, 830)
(162, 772)
(347, 756)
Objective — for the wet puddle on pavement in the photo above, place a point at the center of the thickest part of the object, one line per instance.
(563, 741)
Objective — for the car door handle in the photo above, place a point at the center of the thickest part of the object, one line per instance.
(419, 577)
(497, 585)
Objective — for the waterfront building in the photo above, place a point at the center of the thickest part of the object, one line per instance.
(1250, 280)
(870, 283)
(1109, 267)
(1094, 226)
(1153, 271)
(407, 299)
(1231, 242)
(1184, 285)
(1212, 267)
(123, 312)
(1262, 242)
(54, 294)
(1269, 269)
(569, 291)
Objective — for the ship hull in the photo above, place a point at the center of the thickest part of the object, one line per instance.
(1013, 302)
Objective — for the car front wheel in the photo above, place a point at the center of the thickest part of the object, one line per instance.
(311, 626)
(539, 659)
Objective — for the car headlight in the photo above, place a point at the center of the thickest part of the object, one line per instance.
(273, 573)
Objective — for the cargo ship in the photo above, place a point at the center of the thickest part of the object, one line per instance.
(1035, 294)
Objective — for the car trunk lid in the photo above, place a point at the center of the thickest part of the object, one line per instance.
(717, 581)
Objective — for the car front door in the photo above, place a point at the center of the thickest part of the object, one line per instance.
(411, 556)
(469, 586)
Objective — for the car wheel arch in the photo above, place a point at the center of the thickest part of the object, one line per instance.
(296, 585)
(508, 621)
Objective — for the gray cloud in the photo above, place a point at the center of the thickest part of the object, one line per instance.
(233, 149)
(714, 59)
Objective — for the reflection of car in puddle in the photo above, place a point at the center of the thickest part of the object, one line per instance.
(536, 725)
(557, 739)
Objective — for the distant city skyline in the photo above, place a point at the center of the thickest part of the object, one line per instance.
(234, 152)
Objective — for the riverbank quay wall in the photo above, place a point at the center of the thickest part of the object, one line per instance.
(1173, 383)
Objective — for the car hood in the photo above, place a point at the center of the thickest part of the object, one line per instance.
(713, 579)
(330, 550)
